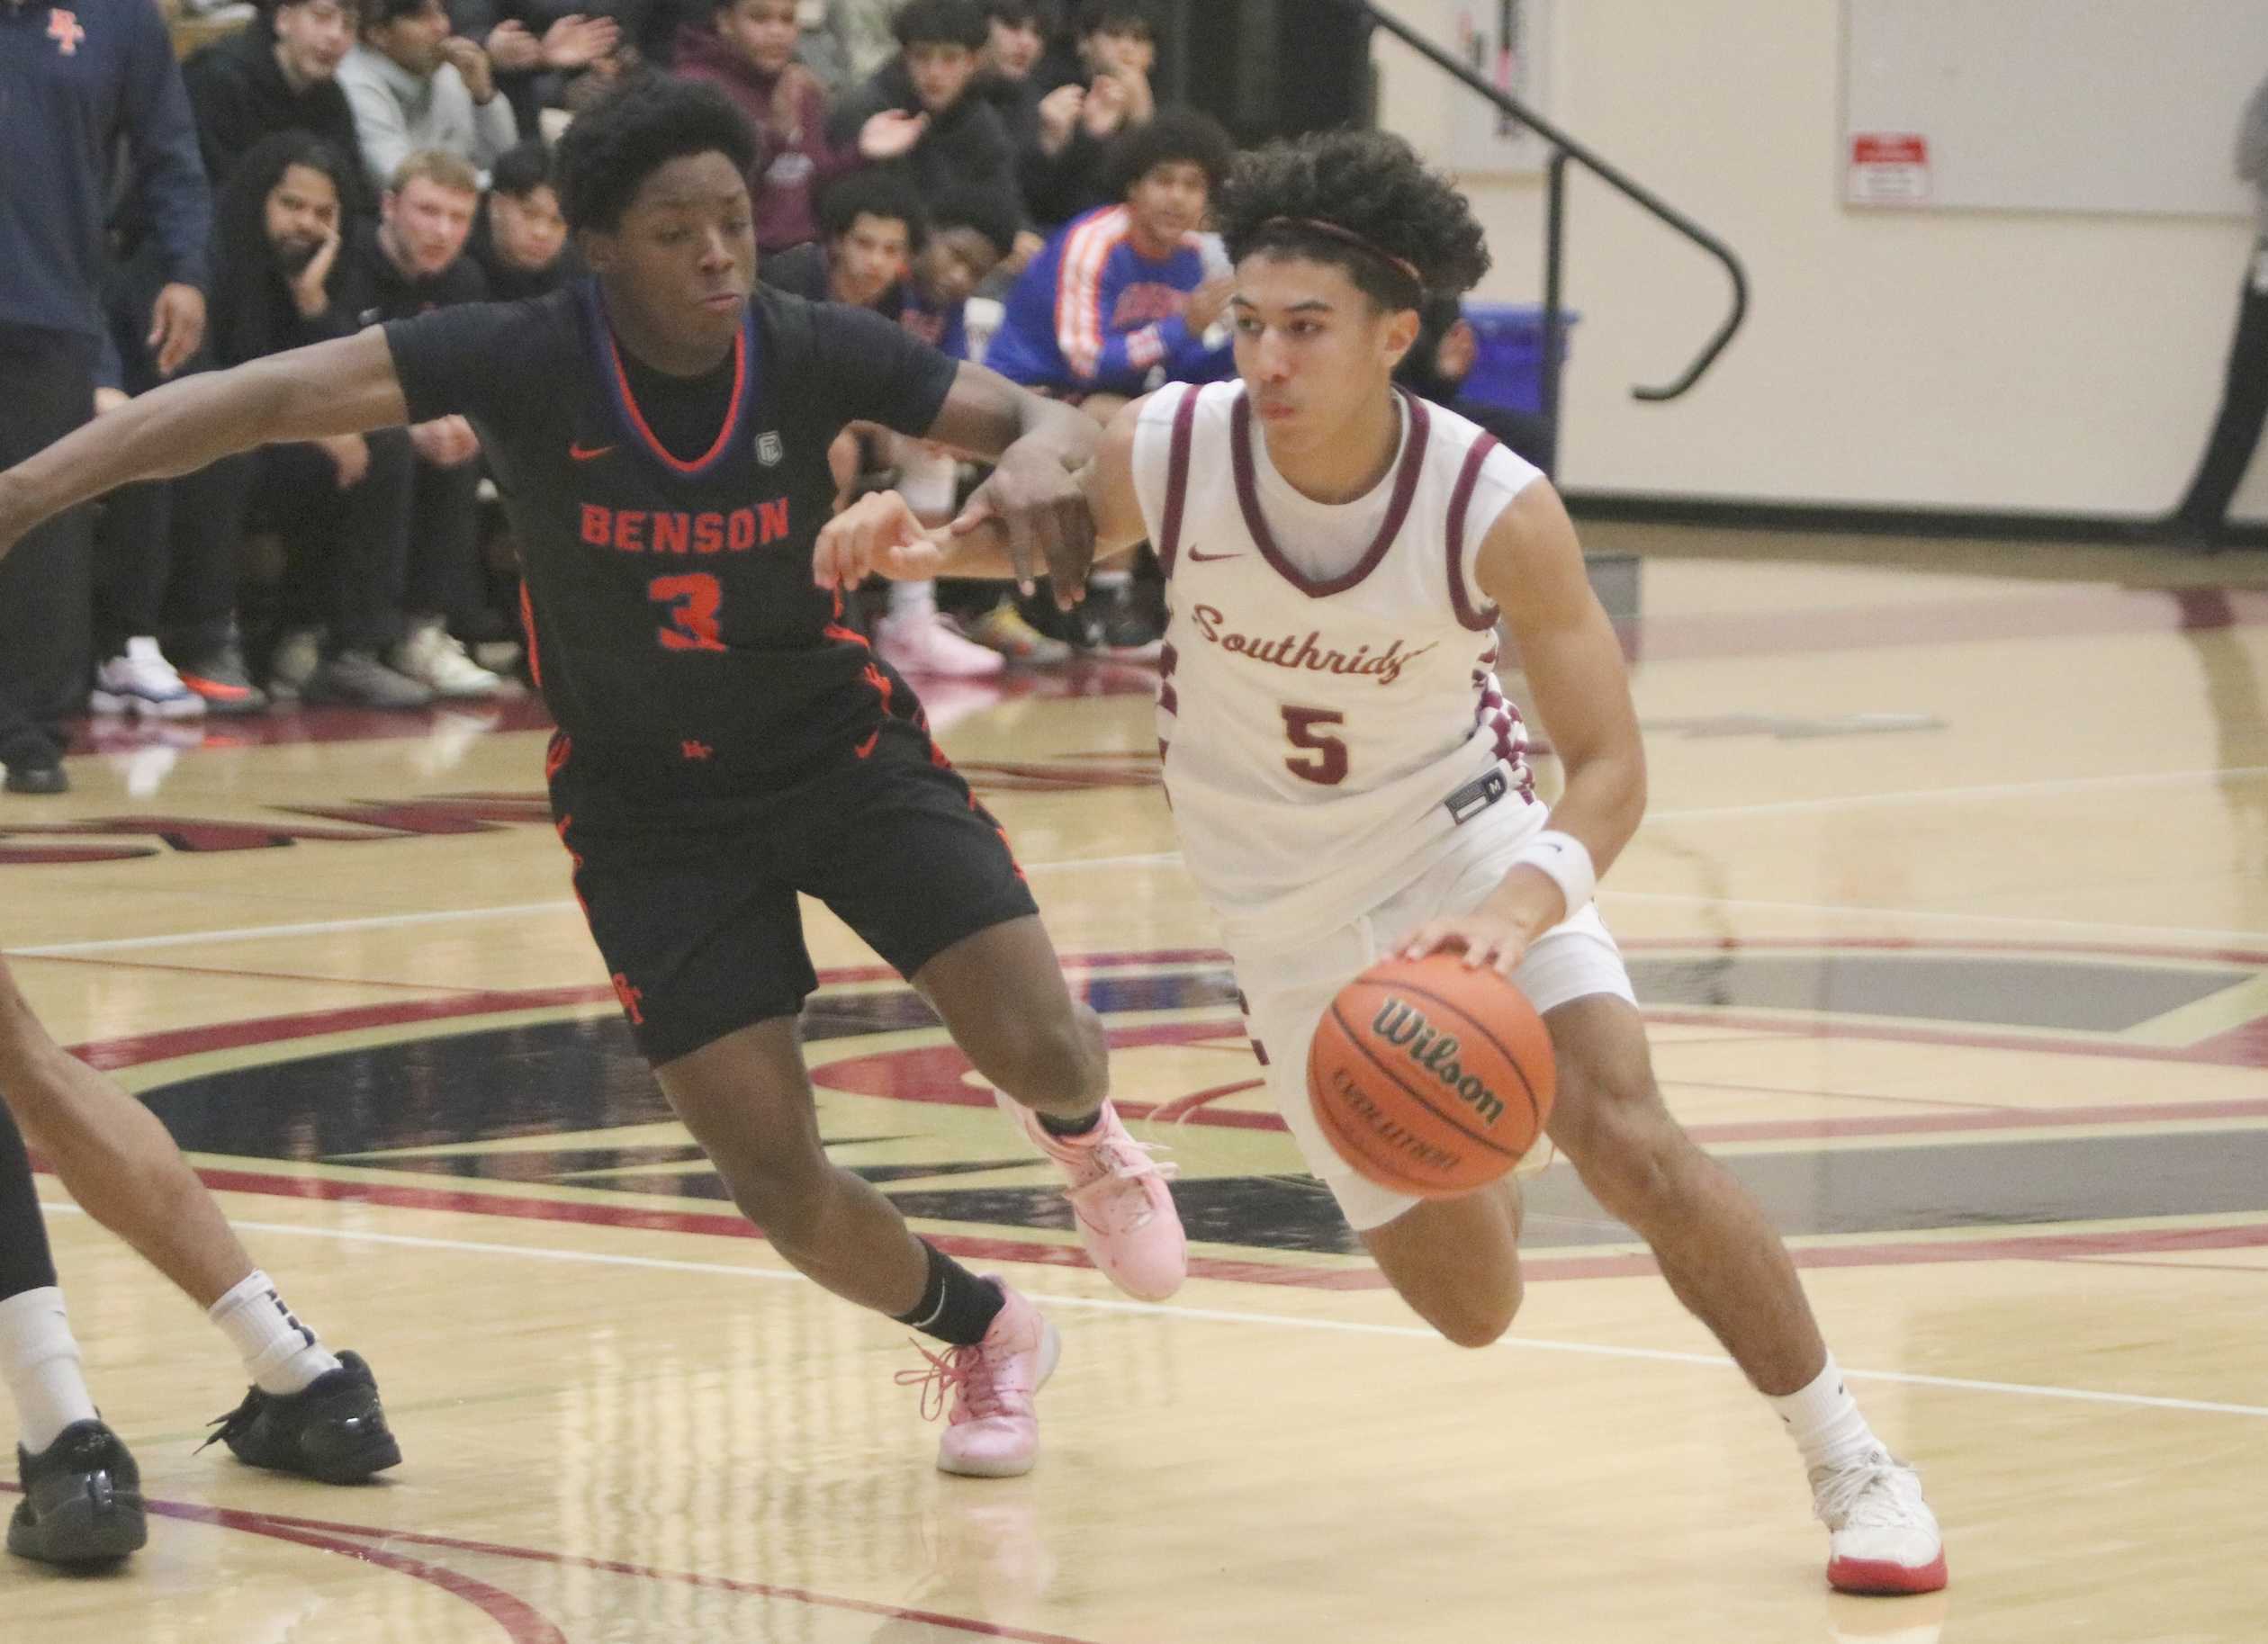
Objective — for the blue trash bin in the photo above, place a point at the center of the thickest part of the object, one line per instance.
(1507, 370)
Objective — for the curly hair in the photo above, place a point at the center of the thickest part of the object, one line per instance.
(1170, 135)
(1378, 206)
(605, 158)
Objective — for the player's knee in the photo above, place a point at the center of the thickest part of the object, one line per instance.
(1470, 1315)
(1624, 1145)
(1056, 1064)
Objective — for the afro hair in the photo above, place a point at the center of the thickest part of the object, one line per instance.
(605, 158)
(1171, 136)
(1382, 207)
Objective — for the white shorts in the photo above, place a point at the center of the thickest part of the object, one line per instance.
(1286, 991)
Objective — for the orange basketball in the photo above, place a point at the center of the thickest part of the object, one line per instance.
(1431, 1077)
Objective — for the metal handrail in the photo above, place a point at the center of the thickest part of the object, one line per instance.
(1566, 147)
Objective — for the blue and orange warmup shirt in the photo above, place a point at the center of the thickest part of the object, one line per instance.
(678, 638)
(1091, 315)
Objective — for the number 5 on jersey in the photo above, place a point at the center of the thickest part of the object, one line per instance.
(1326, 764)
(693, 601)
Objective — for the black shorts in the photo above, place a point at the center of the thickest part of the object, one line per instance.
(695, 909)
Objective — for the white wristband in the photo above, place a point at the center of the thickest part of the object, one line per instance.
(1566, 861)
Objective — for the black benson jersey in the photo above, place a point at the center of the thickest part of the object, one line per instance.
(678, 638)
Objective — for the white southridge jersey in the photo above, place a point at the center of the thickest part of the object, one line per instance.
(1323, 736)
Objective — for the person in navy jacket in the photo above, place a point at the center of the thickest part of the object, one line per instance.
(75, 79)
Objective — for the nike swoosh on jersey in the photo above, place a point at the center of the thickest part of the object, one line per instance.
(1203, 558)
(588, 453)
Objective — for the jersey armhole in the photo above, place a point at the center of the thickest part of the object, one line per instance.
(1491, 479)
(1163, 440)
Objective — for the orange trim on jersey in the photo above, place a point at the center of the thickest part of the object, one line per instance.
(527, 627)
(637, 417)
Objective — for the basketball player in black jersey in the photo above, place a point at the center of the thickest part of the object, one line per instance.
(660, 433)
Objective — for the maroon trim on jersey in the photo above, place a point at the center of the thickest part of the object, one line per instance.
(1177, 477)
(1413, 465)
(1460, 504)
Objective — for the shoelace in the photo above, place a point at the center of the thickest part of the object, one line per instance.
(234, 1423)
(1850, 1497)
(1124, 1161)
(959, 1369)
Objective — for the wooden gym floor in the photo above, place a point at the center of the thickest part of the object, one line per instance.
(1951, 917)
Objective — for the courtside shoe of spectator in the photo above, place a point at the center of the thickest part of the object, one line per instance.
(140, 681)
(436, 659)
(920, 643)
(222, 677)
(1004, 629)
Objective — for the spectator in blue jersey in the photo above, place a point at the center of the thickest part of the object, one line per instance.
(75, 81)
(1122, 299)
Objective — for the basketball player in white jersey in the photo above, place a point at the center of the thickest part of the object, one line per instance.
(1349, 782)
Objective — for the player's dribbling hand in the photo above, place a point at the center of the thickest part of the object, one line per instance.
(877, 534)
(1042, 508)
(1482, 938)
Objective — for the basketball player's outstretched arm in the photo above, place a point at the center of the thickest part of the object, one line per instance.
(879, 535)
(1532, 569)
(347, 386)
(1031, 502)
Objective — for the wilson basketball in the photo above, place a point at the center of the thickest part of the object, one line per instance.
(1431, 1077)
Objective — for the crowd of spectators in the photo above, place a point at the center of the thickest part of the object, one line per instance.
(997, 176)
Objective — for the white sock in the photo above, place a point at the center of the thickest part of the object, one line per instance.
(912, 600)
(39, 1361)
(1824, 1421)
(280, 1354)
(1111, 578)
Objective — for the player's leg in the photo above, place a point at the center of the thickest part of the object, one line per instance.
(82, 1491)
(1456, 1262)
(1727, 1264)
(972, 943)
(308, 1411)
(747, 1098)
(707, 954)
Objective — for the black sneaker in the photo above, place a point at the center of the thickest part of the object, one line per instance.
(81, 1500)
(1116, 624)
(333, 1431)
(358, 679)
(38, 776)
(225, 683)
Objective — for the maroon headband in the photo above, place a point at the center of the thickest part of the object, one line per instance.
(1332, 230)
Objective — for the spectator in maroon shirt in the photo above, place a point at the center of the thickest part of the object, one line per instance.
(747, 51)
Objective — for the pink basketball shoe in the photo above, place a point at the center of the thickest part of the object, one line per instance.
(991, 1432)
(1126, 1214)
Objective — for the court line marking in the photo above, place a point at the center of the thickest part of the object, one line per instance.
(1654, 1355)
(1168, 857)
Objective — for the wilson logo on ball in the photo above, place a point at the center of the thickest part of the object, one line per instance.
(1404, 1026)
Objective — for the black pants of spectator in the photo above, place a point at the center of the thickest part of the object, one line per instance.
(443, 576)
(131, 559)
(2242, 413)
(205, 515)
(47, 389)
(26, 1264)
(347, 544)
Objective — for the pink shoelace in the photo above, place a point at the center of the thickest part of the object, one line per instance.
(965, 1370)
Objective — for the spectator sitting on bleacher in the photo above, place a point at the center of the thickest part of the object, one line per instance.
(1067, 173)
(1435, 369)
(436, 594)
(1122, 299)
(919, 117)
(283, 279)
(747, 51)
(415, 86)
(533, 46)
(871, 226)
(519, 237)
(278, 74)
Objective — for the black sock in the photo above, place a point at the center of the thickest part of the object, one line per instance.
(1070, 1127)
(25, 1264)
(956, 1305)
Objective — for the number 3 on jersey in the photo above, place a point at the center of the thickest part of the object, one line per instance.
(1327, 765)
(693, 602)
